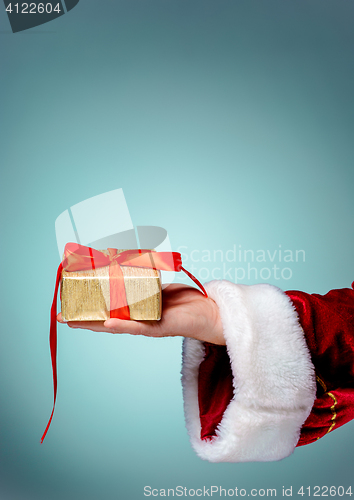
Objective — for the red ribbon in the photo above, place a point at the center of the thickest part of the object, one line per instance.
(81, 258)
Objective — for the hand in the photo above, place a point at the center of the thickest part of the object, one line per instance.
(186, 312)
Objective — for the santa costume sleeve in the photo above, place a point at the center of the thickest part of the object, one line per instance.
(284, 379)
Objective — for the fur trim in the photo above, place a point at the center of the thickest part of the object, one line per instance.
(273, 376)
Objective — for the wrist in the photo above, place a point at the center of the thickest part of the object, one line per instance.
(214, 329)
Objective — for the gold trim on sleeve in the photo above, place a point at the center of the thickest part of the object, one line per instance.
(333, 407)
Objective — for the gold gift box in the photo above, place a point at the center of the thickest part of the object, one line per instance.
(85, 295)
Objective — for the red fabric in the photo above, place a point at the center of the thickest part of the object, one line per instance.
(215, 388)
(80, 258)
(328, 323)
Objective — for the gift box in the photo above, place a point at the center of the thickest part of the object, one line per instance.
(97, 285)
(86, 294)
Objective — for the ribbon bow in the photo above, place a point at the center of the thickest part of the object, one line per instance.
(81, 258)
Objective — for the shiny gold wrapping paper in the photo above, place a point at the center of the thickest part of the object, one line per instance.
(85, 295)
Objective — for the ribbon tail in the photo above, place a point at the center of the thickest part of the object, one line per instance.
(197, 282)
(53, 344)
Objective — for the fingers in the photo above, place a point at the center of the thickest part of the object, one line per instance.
(148, 328)
(95, 326)
(114, 325)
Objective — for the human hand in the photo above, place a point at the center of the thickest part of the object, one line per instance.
(186, 312)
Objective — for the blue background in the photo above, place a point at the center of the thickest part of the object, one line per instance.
(226, 122)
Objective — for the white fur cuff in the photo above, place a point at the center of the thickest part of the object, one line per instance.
(273, 376)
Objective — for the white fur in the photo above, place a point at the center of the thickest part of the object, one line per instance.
(273, 376)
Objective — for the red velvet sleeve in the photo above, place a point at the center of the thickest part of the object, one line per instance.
(328, 323)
